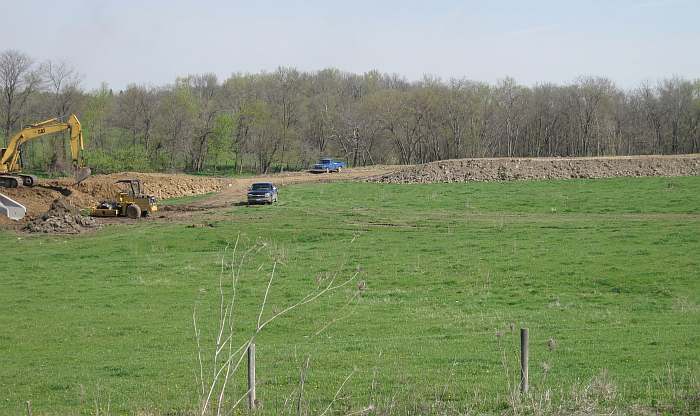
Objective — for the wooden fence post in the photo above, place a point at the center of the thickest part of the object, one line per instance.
(251, 376)
(29, 408)
(524, 360)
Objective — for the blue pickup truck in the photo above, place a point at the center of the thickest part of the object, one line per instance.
(328, 165)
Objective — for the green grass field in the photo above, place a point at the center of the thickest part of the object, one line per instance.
(607, 272)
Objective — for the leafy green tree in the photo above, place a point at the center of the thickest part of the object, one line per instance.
(222, 146)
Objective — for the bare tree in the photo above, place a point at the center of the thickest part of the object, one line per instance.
(262, 133)
(588, 96)
(136, 110)
(676, 98)
(205, 89)
(18, 80)
(63, 82)
(176, 119)
(283, 98)
(509, 104)
(653, 114)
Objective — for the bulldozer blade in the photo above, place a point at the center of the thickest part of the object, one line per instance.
(81, 174)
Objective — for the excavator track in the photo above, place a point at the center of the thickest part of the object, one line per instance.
(15, 181)
(8, 181)
(28, 180)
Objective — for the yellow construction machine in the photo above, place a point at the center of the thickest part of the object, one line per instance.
(130, 202)
(11, 175)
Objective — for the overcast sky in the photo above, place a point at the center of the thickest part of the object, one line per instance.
(153, 42)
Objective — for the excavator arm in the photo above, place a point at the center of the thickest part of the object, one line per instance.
(11, 162)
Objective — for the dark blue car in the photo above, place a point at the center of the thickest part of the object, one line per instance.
(262, 193)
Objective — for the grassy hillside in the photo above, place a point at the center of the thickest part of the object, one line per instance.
(604, 273)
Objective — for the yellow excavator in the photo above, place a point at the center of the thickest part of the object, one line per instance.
(11, 175)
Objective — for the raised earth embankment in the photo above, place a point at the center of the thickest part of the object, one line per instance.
(508, 169)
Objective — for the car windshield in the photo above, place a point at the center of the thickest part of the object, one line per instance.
(325, 161)
(261, 186)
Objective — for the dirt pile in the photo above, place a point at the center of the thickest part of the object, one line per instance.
(504, 169)
(6, 222)
(61, 218)
(160, 185)
(102, 187)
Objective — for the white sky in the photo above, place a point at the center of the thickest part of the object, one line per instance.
(153, 42)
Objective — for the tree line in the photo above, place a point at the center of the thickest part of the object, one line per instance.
(286, 119)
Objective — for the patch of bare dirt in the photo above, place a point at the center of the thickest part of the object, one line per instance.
(507, 169)
(61, 218)
(226, 191)
(7, 223)
(234, 191)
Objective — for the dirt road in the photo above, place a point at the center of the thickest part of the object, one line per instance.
(234, 191)
(224, 192)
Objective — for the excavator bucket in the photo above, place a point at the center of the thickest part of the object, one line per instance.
(81, 174)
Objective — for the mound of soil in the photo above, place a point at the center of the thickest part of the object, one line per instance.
(505, 169)
(6, 222)
(102, 187)
(160, 185)
(61, 218)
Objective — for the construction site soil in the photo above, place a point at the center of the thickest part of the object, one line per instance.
(224, 192)
(43, 206)
(61, 218)
(507, 169)
(103, 187)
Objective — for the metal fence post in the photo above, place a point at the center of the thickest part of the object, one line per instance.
(524, 360)
(251, 376)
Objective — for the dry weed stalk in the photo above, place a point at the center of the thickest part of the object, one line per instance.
(337, 393)
(302, 379)
(227, 358)
(100, 407)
